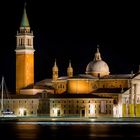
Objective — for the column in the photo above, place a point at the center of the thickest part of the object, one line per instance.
(130, 94)
(135, 98)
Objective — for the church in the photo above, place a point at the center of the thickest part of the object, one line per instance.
(94, 93)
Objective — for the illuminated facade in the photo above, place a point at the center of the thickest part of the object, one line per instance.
(80, 106)
(22, 105)
(112, 95)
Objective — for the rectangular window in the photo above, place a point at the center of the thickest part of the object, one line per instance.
(89, 111)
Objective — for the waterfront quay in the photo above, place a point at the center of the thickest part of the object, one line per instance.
(72, 119)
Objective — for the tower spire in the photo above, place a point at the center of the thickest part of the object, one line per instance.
(24, 21)
(55, 71)
(69, 63)
(70, 70)
(55, 65)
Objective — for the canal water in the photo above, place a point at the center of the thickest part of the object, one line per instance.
(64, 131)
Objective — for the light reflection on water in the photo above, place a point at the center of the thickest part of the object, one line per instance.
(26, 131)
(32, 131)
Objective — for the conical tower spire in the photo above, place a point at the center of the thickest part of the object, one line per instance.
(97, 55)
(70, 70)
(24, 21)
(55, 71)
(69, 63)
(55, 65)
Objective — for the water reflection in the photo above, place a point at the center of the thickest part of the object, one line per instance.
(73, 131)
(26, 131)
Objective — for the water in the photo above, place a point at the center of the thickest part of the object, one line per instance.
(64, 131)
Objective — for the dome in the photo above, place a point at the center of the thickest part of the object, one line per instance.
(97, 67)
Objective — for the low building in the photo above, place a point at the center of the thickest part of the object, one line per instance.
(21, 105)
(80, 105)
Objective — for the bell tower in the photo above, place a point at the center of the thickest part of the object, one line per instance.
(69, 70)
(55, 72)
(24, 54)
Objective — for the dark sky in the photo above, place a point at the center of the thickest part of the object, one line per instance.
(70, 30)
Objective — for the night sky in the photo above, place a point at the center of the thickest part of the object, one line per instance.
(70, 30)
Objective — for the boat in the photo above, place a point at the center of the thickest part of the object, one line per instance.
(4, 112)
